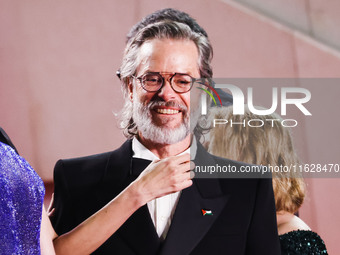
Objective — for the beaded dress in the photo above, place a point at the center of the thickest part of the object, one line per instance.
(302, 242)
(21, 199)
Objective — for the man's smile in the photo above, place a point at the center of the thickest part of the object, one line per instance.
(168, 111)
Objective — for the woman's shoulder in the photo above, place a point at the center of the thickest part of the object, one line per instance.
(289, 222)
(302, 242)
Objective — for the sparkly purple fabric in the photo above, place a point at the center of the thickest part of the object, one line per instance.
(21, 199)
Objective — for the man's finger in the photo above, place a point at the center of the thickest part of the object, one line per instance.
(192, 165)
(181, 159)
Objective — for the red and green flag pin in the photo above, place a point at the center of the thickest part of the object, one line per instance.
(207, 212)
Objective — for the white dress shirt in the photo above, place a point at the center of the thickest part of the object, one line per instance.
(163, 208)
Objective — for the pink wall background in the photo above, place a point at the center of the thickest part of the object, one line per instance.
(59, 93)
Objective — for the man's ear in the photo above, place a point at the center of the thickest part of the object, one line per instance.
(130, 88)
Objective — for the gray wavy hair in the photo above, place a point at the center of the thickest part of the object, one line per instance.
(166, 29)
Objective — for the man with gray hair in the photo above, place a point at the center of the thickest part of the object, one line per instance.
(162, 61)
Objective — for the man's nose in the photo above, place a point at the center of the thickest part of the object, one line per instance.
(167, 92)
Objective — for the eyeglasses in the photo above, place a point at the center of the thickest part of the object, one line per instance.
(154, 81)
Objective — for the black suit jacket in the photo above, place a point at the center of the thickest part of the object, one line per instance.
(243, 220)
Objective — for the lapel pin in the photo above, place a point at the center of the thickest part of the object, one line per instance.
(207, 212)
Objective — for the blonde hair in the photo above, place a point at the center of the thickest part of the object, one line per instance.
(270, 143)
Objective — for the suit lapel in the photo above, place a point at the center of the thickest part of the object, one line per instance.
(115, 175)
(189, 225)
(138, 231)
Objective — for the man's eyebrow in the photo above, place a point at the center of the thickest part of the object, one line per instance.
(147, 71)
(161, 72)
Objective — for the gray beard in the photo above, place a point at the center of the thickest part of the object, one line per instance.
(158, 134)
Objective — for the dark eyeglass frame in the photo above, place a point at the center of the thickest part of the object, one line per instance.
(140, 78)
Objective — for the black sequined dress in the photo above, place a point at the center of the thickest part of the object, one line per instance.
(302, 242)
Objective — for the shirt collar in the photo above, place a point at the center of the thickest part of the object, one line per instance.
(140, 151)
